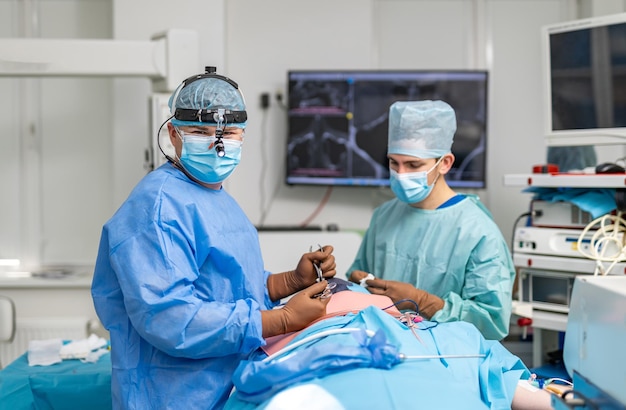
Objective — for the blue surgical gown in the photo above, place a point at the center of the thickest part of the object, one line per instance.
(179, 283)
(456, 252)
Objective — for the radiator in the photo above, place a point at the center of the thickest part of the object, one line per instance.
(27, 329)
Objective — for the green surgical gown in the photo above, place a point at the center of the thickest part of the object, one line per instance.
(457, 253)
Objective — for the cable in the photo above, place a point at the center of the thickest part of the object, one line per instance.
(279, 100)
(264, 208)
(369, 333)
(269, 205)
(608, 236)
(319, 208)
(442, 356)
(560, 380)
(158, 137)
(429, 327)
(417, 312)
(316, 336)
(435, 323)
(514, 227)
(173, 160)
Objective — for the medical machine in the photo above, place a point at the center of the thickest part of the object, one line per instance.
(557, 214)
(549, 260)
(581, 87)
(338, 123)
(595, 337)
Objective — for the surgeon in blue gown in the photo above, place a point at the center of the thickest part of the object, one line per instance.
(179, 280)
(430, 244)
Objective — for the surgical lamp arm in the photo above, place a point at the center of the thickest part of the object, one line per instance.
(165, 59)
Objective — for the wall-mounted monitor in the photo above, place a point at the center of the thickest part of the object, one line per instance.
(338, 123)
(585, 81)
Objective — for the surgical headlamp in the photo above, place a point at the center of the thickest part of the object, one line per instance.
(213, 115)
(223, 110)
(220, 116)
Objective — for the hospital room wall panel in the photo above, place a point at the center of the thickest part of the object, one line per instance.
(10, 164)
(75, 169)
(515, 139)
(93, 148)
(408, 30)
(262, 41)
(131, 131)
(75, 138)
(380, 34)
(356, 35)
(402, 34)
(256, 45)
(57, 178)
(75, 18)
(324, 34)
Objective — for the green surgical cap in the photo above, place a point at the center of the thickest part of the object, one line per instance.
(207, 94)
(422, 129)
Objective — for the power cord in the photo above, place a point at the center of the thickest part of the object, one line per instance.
(534, 213)
(608, 237)
(279, 100)
(264, 159)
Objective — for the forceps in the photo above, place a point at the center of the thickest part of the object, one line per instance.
(320, 277)
(318, 269)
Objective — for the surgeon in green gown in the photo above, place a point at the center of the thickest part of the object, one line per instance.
(431, 245)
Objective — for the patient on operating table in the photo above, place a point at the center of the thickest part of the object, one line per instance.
(367, 354)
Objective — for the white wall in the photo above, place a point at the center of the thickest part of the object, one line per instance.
(501, 36)
(56, 141)
(88, 164)
(130, 96)
(516, 121)
(10, 166)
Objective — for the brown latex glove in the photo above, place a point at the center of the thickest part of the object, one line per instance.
(302, 309)
(281, 285)
(357, 275)
(427, 303)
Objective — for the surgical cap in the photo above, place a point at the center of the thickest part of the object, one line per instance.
(207, 93)
(422, 129)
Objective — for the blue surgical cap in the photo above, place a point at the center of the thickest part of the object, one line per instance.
(207, 93)
(422, 129)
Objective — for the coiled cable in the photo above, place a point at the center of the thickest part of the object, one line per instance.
(607, 242)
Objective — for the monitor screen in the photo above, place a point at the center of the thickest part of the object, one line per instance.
(338, 123)
(585, 78)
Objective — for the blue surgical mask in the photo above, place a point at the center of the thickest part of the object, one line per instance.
(200, 159)
(411, 187)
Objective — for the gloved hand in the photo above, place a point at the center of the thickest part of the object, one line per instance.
(281, 285)
(305, 273)
(299, 312)
(428, 304)
(357, 275)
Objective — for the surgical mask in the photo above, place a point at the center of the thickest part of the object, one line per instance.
(200, 159)
(412, 187)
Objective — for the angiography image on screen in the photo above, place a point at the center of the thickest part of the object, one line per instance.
(338, 123)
